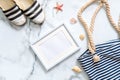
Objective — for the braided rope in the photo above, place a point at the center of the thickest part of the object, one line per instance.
(110, 17)
(89, 31)
(94, 16)
(92, 50)
(119, 22)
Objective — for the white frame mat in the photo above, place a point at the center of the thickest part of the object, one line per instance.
(55, 47)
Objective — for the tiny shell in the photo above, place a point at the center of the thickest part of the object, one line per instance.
(96, 58)
(76, 69)
(73, 21)
(81, 36)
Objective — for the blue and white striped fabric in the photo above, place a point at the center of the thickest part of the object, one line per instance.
(108, 68)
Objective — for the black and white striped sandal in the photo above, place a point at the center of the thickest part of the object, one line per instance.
(32, 9)
(12, 12)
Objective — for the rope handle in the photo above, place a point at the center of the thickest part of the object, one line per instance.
(90, 29)
(116, 26)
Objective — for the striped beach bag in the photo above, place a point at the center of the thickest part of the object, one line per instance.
(100, 62)
(108, 68)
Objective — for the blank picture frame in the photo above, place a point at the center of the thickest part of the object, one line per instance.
(55, 47)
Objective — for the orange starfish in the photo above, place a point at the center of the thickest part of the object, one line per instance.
(58, 7)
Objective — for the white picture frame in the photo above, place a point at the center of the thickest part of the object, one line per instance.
(55, 47)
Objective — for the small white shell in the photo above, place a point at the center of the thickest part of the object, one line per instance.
(82, 36)
(73, 21)
(76, 69)
(96, 58)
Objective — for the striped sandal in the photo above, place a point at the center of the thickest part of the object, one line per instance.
(32, 9)
(12, 12)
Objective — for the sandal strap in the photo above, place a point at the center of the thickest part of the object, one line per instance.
(33, 11)
(5, 11)
(35, 2)
(30, 13)
(16, 16)
(37, 14)
(13, 13)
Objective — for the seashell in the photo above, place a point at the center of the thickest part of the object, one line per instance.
(73, 21)
(81, 36)
(96, 58)
(76, 69)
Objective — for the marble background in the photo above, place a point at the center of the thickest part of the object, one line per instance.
(18, 61)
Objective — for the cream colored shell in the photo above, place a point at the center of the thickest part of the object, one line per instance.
(96, 58)
(82, 36)
(76, 69)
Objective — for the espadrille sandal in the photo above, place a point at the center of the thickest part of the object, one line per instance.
(12, 12)
(32, 9)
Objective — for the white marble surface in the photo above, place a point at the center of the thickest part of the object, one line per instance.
(18, 61)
